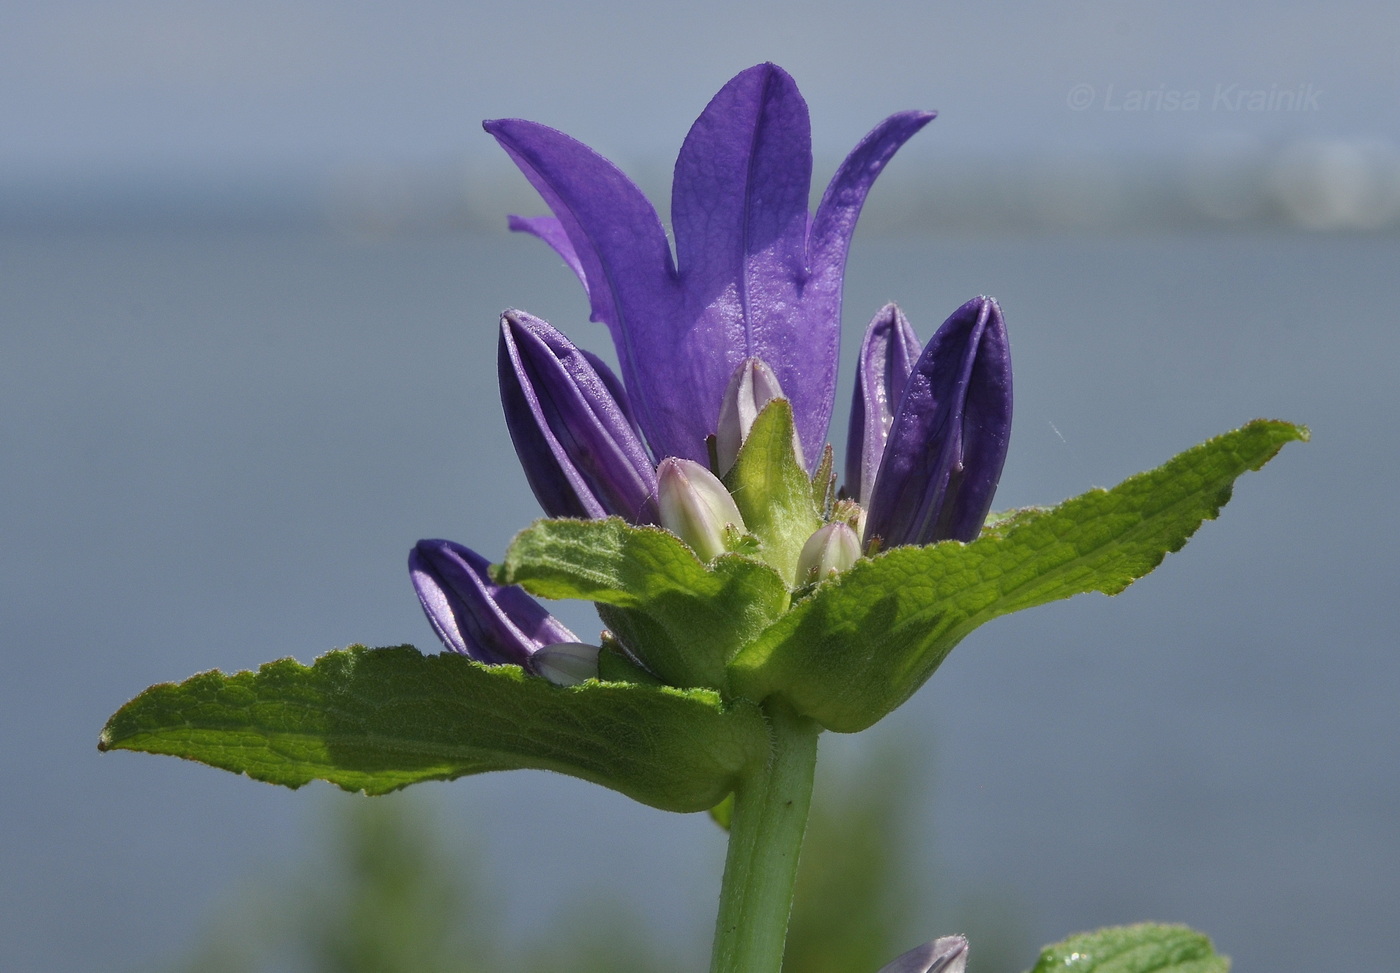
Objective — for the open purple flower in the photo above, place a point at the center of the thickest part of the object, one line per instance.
(747, 311)
(754, 275)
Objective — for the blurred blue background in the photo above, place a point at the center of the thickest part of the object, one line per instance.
(251, 257)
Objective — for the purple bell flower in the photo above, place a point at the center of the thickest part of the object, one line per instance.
(491, 623)
(887, 357)
(754, 274)
(946, 955)
(947, 444)
(572, 427)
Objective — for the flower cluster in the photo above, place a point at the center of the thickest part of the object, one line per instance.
(746, 312)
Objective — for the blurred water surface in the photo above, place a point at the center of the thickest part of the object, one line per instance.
(218, 447)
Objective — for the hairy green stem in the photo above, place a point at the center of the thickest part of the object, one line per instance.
(765, 838)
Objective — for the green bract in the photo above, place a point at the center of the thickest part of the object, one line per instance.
(864, 642)
(1142, 948)
(713, 639)
(376, 720)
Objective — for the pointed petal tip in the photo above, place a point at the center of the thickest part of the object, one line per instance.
(945, 955)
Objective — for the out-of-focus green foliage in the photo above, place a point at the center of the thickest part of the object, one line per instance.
(387, 891)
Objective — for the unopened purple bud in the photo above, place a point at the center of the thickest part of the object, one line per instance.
(567, 664)
(572, 427)
(829, 551)
(886, 358)
(946, 955)
(696, 507)
(491, 623)
(752, 386)
(948, 442)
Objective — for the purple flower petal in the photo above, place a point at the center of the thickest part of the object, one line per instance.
(835, 219)
(491, 623)
(619, 243)
(948, 442)
(739, 213)
(749, 279)
(887, 357)
(946, 955)
(571, 426)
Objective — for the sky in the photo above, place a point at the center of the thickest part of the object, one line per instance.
(272, 89)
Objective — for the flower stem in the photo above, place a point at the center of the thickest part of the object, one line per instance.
(765, 837)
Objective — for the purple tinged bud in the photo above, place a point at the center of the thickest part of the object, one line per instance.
(829, 551)
(752, 386)
(948, 441)
(572, 427)
(568, 663)
(886, 358)
(945, 955)
(491, 623)
(696, 507)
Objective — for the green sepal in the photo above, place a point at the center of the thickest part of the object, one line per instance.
(773, 491)
(862, 643)
(1142, 948)
(376, 720)
(681, 619)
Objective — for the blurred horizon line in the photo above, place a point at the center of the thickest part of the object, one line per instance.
(1330, 186)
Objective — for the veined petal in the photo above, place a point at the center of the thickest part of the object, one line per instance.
(739, 213)
(946, 955)
(568, 417)
(620, 245)
(887, 357)
(491, 623)
(948, 442)
(754, 276)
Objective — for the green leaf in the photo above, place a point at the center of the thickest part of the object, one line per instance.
(773, 491)
(1143, 948)
(682, 619)
(376, 720)
(864, 642)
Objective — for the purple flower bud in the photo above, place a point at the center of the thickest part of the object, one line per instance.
(948, 441)
(946, 955)
(572, 427)
(696, 507)
(752, 387)
(491, 623)
(829, 551)
(886, 358)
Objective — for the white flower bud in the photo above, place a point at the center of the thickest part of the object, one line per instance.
(566, 663)
(696, 507)
(752, 386)
(829, 551)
